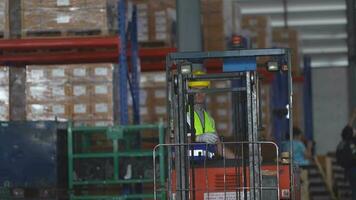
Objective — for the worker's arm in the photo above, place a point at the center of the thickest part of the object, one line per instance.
(224, 151)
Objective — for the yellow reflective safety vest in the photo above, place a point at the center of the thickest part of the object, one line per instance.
(207, 127)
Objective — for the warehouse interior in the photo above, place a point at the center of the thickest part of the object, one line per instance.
(177, 99)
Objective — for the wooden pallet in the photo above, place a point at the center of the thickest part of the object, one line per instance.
(64, 33)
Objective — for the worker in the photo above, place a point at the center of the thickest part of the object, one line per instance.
(346, 153)
(204, 124)
(301, 154)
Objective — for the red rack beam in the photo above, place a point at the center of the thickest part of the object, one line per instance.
(77, 43)
(59, 43)
(76, 58)
(152, 59)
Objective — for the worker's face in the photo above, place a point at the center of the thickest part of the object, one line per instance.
(199, 98)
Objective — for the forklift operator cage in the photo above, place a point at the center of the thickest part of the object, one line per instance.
(242, 80)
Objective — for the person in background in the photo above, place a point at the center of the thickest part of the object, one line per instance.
(301, 154)
(346, 153)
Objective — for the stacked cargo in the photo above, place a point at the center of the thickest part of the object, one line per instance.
(258, 29)
(220, 107)
(153, 97)
(82, 93)
(64, 18)
(97, 17)
(155, 21)
(92, 97)
(4, 94)
(265, 103)
(220, 19)
(3, 18)
(288, 38)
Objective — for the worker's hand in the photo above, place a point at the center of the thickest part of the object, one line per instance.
(210, 138)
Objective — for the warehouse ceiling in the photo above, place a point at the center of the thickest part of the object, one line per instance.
(321, 25)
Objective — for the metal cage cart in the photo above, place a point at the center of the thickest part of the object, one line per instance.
(81, 152)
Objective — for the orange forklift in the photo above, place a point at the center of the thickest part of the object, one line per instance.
(240, 166)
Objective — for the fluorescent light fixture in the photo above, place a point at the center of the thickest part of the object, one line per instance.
(310, 22)
(321, 50)
(261, 8)
(322, 36)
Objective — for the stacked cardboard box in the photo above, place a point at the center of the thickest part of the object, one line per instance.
(63, 17)
(259, 30)
(265, 103)
(288, 38)
(153, 97)
(220, 19)
(220, 107)
(155, 20)
(82, 93)
(3, 18)
(4, 94)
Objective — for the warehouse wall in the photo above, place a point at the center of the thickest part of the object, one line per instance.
(330, 106)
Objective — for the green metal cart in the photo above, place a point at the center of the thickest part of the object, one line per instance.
(118, 135)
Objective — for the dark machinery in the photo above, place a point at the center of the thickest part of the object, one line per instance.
(32, 160)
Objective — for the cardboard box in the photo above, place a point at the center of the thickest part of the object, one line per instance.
(38, 92)
(4, 19)
(102, 110)
(258, 29)
(51, 74)
(154, 21)
(79, 123)
(62, 3)
(282, 34)
(42, 92)
(81, 110)
(162, 26)
(45, 18)
(108, 122)
(101, 72)
(255, 22)
(4, 102)
(36, 74)
(4, 75)
(81, 91)
(48, 111)
(58, 73)
(221, 20)
(260, 39)
(217, 45)
(211, 6)
(288, 38)
(102, 91)
(4, 111)
(79, 73)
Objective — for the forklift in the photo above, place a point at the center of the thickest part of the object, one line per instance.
(195, 171)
